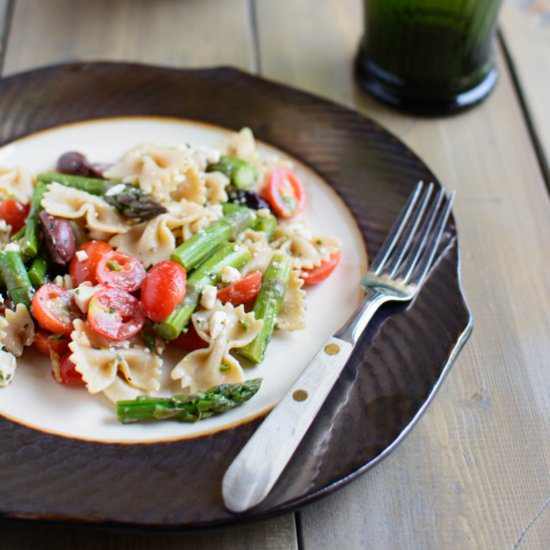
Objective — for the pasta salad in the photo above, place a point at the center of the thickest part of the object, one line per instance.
(105, 267)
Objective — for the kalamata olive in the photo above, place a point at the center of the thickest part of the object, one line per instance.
(60, 238)
(5, 303)
(77, 164)
(250, 199)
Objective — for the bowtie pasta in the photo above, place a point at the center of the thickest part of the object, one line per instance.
(201, 250)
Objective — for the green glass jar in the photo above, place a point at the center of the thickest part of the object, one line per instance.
(428, 56)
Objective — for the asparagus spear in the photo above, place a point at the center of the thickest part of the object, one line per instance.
(230, 208)
(267, 224)
(267, 305)
(94, 186)
(128, 199)
(18, 235)
(132, 202)
(263, 222)
(29, 241)
(187, 408)
(16, 278)
(242, 174)
(207, 273)
(199, 246)
(37, 271)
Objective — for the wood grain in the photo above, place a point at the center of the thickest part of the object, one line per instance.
(167, 32)
(192, 33)
(274, 534)
(525, 27)
(475, 471)
(5, 16)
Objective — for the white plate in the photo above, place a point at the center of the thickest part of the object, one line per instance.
(35, 400)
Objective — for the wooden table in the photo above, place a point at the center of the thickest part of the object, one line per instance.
(475, 472)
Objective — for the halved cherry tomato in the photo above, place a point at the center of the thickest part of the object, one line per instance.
(14, 213)
(189, 340)
(67, 372)
(243, 290)
(115, 314)
(84, 270)
(320, 273)
(285, 193)
(45, 343)
(163, 289)
(121, 271)
(52, 307)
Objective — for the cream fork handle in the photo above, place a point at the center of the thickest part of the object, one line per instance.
(253, 473)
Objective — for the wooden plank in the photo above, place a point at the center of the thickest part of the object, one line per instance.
(525, 28)
(474, 472)
(187, 34)
(274, 534)
(190, 33)
(5, 16)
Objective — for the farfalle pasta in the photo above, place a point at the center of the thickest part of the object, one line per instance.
(306, 250)
(224, 328)
(16, 330)
(215, 184)
(64, 202)
(292, 315)
(161, 171)
(102, 365)
(196, 250)
(150, 241)
(261, 251)
(16, 184)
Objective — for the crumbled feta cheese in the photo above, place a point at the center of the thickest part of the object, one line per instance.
(210, 155)
(81, 255)
(7, 367)
(263, 213)
(217, 210)
(115, 190)
(64, 281)
(83, 294)
(12, 246)
(218, 320)
(208, 296)
(230, 274)
(5, 232)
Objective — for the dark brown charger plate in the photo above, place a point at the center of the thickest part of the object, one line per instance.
(391, 377)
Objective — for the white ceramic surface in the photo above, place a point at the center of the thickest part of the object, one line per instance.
(35, 400)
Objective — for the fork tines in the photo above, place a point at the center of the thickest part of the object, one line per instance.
(411, 246)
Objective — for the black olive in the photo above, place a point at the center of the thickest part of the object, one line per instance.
(250, 199)
(60, 238)
(77, 164)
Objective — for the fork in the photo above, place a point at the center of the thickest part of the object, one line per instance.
(397, 273)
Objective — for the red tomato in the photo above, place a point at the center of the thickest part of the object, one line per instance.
(320, 273)
(14, 213)
(121, 271)
(285, 193)
(115, 314)
(45, 343)
(243, 290)
(67, 372)
(163, 289)
(53, 309)
(189, 340)
(84, 270)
